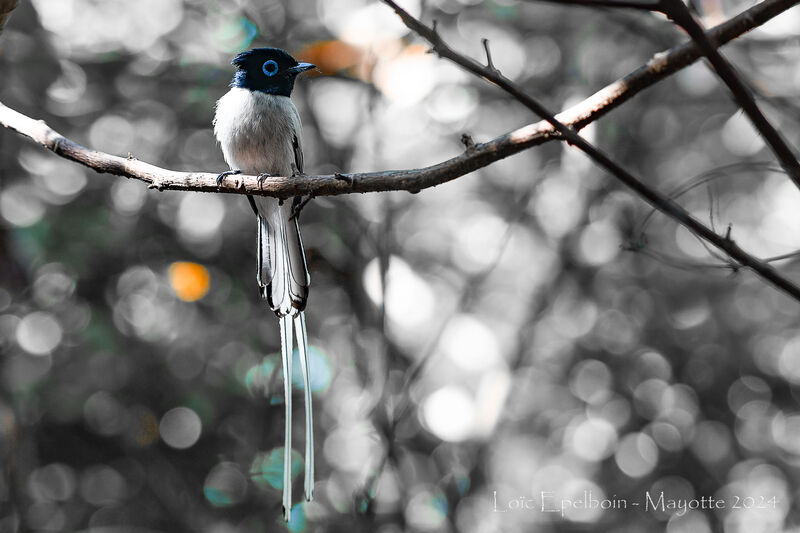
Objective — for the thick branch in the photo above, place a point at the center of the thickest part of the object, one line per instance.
(476, 155)
(651, 196)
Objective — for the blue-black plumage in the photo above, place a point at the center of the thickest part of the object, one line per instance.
(268, 70)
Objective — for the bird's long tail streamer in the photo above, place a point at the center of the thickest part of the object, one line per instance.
(286, 355)
(302, 347)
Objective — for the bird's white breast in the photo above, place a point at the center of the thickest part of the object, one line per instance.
(256, 131)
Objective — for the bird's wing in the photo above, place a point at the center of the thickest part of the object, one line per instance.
(298, 153)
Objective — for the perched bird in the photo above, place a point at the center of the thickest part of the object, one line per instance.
(259, 130)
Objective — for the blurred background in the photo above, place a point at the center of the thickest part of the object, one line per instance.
(528, 328)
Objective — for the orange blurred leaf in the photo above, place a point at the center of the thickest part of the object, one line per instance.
(337, 57)
(190, 281)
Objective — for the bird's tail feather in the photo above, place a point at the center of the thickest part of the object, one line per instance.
(286, 356)
(282, 272)
(302, 348)
(283, 278)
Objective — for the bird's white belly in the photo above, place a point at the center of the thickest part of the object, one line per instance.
(255, 131)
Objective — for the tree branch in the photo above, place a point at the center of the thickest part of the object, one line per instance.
(476, 156)
(570, 134)
(680, 14)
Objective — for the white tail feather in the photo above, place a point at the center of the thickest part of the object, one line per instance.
(286, 356)
(302, 347)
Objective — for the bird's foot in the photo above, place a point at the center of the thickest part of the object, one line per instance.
(221, 177)
(296, 171)
(347, 178)
(298, 204)
(262, 177)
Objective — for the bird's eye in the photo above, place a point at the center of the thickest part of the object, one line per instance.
(270, 68)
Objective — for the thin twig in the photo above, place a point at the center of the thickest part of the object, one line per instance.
(569, 133)
(791, 255)
(489, 62)
(751, 167)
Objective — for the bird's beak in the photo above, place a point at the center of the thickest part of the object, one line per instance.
(301, 67)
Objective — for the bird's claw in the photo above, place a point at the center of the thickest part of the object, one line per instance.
(297, 205)
(221, 177)
(262, 178)
(347, 178)
(296, 171)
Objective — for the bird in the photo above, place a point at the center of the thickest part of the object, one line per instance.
(259, 130)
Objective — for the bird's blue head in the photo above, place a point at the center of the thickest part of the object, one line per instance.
(269, 70)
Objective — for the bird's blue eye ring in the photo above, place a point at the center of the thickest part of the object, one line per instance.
(270, 68)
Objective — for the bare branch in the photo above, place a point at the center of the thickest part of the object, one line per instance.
(476, 156)
(570, 134)
(680, 14)
(162, 179)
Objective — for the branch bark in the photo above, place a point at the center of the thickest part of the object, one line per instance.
(475, 156)
(657, 200)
